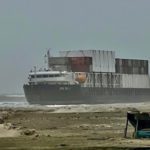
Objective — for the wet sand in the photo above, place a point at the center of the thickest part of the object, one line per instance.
(69, 127)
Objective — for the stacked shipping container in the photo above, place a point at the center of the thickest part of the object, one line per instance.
(102, 61)
(74, 64)
(103, 70)
(135, 81)
(103, 80)
(113, 80)
(134, 73)
(131, 66)
(80, 64)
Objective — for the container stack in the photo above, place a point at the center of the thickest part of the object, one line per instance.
(80, 64)
(103, 69)
(134, 73)
(102, 61)
(74, 64)
(131, 66)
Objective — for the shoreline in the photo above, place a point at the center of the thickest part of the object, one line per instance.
(69, 127)
(144, 106)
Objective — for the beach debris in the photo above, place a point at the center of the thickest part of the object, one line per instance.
(99, 138)
(28, 132)
(9, 126)
(63, 145)
(36, 135)
(1, 120)
(3, 115)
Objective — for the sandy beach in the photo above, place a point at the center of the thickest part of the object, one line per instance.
(69, 127)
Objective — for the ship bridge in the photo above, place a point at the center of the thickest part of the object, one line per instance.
(51, 77)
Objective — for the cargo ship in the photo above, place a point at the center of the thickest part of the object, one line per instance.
(88, 77)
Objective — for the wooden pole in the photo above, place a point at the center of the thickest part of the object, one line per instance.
(126, 128)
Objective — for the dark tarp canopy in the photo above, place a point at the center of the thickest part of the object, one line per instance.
(143, 120)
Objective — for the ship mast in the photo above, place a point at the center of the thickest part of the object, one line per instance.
(47, 57)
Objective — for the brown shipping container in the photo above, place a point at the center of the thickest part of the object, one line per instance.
(102, 61)
(80, 60)
(80, 68)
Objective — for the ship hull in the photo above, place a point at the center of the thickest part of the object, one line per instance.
(46, 94)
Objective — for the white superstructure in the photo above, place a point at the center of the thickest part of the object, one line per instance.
(51, 77)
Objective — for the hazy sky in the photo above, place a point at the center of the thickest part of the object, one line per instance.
(29, 27)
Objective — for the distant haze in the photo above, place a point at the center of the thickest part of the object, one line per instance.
(29, 27)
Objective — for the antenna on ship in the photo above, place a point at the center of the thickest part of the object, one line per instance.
(48, 53)
(47, 57)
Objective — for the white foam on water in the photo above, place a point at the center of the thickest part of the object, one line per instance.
(99, 107)
(14, 95)
(14, 100)
(13, 104)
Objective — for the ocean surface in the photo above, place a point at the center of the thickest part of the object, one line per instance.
(19, 101)
(13, 101)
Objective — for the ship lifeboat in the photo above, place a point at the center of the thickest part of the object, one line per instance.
(80, 77)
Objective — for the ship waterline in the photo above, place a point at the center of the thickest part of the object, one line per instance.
(56, 94)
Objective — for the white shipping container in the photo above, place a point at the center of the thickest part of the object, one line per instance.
(135, 81)
(105, 80)
(102, 61)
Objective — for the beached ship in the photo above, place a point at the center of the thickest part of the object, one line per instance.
(89, 77)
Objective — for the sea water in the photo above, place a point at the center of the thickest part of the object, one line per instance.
(19, 101)
(13, 101)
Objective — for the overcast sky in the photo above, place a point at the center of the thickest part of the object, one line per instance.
(29, 27)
